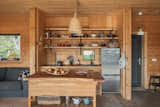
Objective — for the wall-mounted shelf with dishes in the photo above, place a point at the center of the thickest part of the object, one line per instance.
(83, 38)
(59, 45)
(84, 29)
(59, 38)
(74, 47)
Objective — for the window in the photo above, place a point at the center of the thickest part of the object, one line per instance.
(88, 55)
(9, 47)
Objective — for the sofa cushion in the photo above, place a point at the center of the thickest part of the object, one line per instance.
(12, 74)
(10, 85)
(2, 74)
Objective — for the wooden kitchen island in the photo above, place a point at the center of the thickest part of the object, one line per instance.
(70, 84)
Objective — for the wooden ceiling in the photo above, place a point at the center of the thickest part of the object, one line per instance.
(68, 6)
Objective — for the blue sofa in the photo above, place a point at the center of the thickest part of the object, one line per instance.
(12, 83)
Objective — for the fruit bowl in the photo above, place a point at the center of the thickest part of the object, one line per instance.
(58, 71)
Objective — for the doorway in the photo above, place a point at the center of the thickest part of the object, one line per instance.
(136, 60)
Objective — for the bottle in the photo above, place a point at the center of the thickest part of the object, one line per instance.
(92, 62)
(78, 62)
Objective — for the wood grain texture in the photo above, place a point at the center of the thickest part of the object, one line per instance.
(58, 7)
(40, 32)
(32, 38)
(126, 74)
(13, 24)
(145, 62)
(63, 87)
(107, 100)
(150, 24)
(90, 21)
(67, 68)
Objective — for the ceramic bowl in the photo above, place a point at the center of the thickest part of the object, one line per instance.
(93, 35)
(94, 44)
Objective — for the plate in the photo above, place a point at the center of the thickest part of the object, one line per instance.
(81, 73)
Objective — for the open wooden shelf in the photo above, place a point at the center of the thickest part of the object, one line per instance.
(83, 38)
(87, 47)
(84, 29)
(34, 104)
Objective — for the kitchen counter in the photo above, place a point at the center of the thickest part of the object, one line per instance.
(71, 74)
(70, 84)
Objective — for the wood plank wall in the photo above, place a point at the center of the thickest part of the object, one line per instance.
(35, 26)
(127, 51)
(17, 24)
(40, 51)
(151, 25)
(90, 21)
(33, 37)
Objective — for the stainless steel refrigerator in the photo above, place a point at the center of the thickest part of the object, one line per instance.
(110, 69)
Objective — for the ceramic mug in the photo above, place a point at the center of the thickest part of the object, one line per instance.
(86, 100)
(76, 100)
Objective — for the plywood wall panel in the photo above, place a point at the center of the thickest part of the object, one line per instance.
(63, 21)
(126, 73)
(62, 54)
(17, 24)
(57, 21)
(97, 21)
(40, 51)
(151, 25)
(91, 21)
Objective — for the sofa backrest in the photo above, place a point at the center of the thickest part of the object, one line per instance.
(12, 74)
(2, 74)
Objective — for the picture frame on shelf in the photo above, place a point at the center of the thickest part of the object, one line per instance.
(88, 55)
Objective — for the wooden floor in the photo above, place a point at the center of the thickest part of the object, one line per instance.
(140, 99)
(13, 102)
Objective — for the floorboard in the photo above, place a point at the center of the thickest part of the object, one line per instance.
(140, 99)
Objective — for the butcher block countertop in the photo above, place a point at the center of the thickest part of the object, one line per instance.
(72, 74)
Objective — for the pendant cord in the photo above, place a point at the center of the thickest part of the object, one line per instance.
(76, 8)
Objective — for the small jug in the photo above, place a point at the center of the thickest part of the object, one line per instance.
(76, 100)
(86, 100)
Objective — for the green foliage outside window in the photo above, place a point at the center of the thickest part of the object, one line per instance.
(9, 47)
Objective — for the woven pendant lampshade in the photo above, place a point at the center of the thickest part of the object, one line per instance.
(75, 26)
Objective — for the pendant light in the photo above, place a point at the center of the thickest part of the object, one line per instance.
(75, 26)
